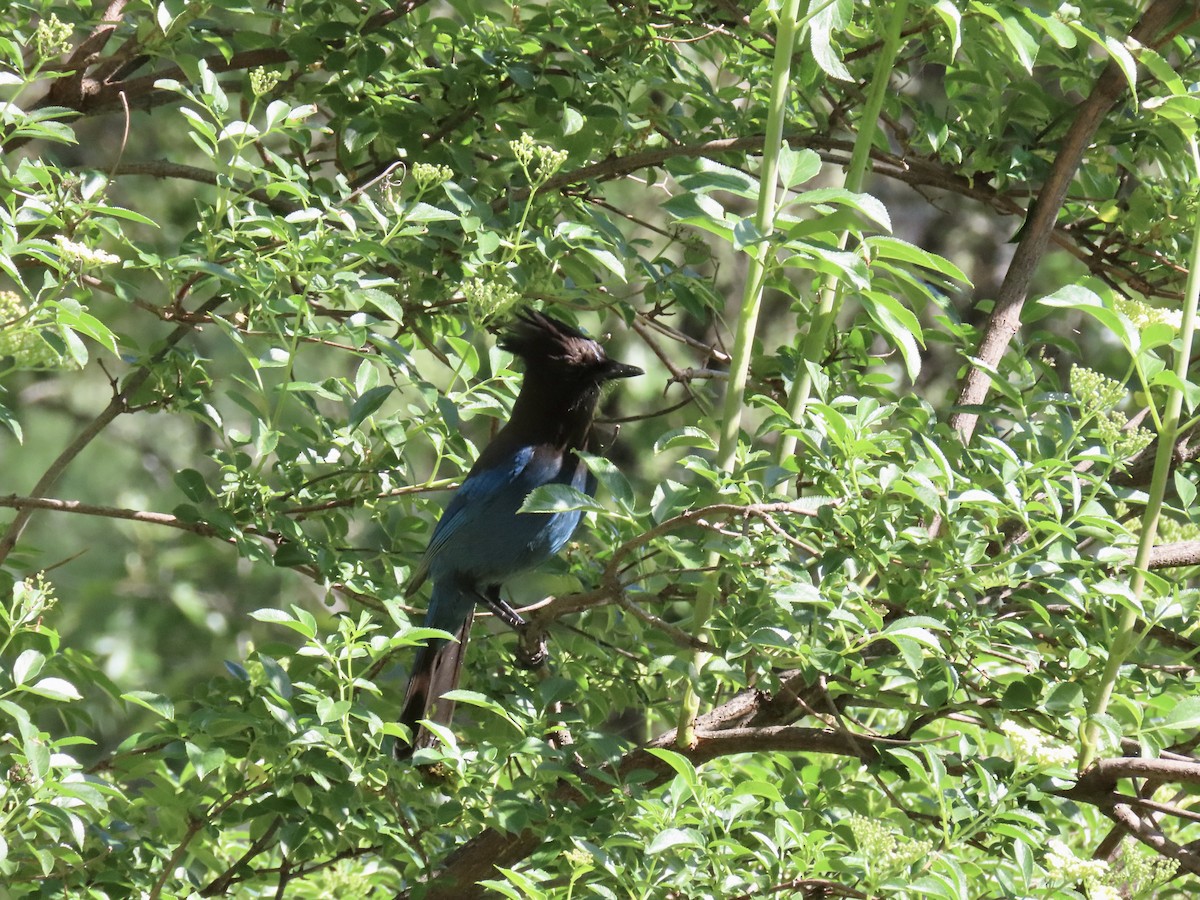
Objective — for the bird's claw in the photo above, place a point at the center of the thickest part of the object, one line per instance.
(531, 654)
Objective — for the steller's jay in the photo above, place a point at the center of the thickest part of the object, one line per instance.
(482, 539)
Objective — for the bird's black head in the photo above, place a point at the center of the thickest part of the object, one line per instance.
(551, 348)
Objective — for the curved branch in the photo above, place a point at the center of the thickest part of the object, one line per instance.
(93, 93)
(1148, 832)
(746, 724)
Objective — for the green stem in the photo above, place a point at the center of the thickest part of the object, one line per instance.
(813, 348)
(747, 324)
(1128, 637)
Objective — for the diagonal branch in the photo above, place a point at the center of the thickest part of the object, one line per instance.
(1005, 319)
(117, 405)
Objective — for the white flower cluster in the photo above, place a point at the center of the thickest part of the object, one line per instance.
(20, 336)
(1133, 875)
(429, 176)
(31, 599)
(1033, 747)
(73, 251)
(263, 81)
(549, 160)
(52, 38)
(1064, 865)
(885, 851)
(1095, 391)
(488, 298)
(1097, 395)
(1143, 314)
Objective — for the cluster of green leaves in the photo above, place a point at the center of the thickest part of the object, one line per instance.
(274, 352)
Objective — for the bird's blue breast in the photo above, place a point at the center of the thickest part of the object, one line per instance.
(482, 537)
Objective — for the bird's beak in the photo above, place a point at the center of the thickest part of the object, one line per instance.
(614, 369)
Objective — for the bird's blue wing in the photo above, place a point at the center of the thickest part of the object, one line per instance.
(479, 487)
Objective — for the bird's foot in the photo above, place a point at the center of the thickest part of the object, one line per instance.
(531, 652)
(501, 610)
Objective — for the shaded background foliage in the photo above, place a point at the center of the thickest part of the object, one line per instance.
(252, 255)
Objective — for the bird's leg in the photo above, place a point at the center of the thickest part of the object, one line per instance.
(490, 597)
(527, 657)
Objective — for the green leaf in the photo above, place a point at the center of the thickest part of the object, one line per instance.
(1082, 299)
(37, 755)
(330, 710)
(1186, 488)
(1124, 60)
(481, 701)
(368, 403)
(611, 478)
(869, 206)
(292, 553)
(1184, 716)
(952, 18)
(193, 485)
(382, 301)
(572, 121)
(687, 436)
(830, 16)
(903, 251)
(27, 666)
(797, 166)
(222, 273)
(120, 212)
(606, 258)
(55, 689)
(916, 628)
(714, 176)
(674, 837)
(558, 498)
(423, 212)
(522, 887)
(280, 683)
(204, 761)
(20, 715)
(279, 617)
(1161, 69)
(681, 764)
(156, 703)
(899, 325)
(1023, 43)
(10, 422)
(746, 234)
(75, 347)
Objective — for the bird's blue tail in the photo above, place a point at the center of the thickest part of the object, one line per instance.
(436, 668)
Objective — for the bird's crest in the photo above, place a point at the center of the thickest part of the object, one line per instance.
(537, 337)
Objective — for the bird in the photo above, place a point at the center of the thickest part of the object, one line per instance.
(482, 539)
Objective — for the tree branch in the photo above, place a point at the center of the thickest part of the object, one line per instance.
(117, 405)
(161, 168)
(477, 859)
(611, 589)
(1005, 319)
(746, 724)
(13, 501)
